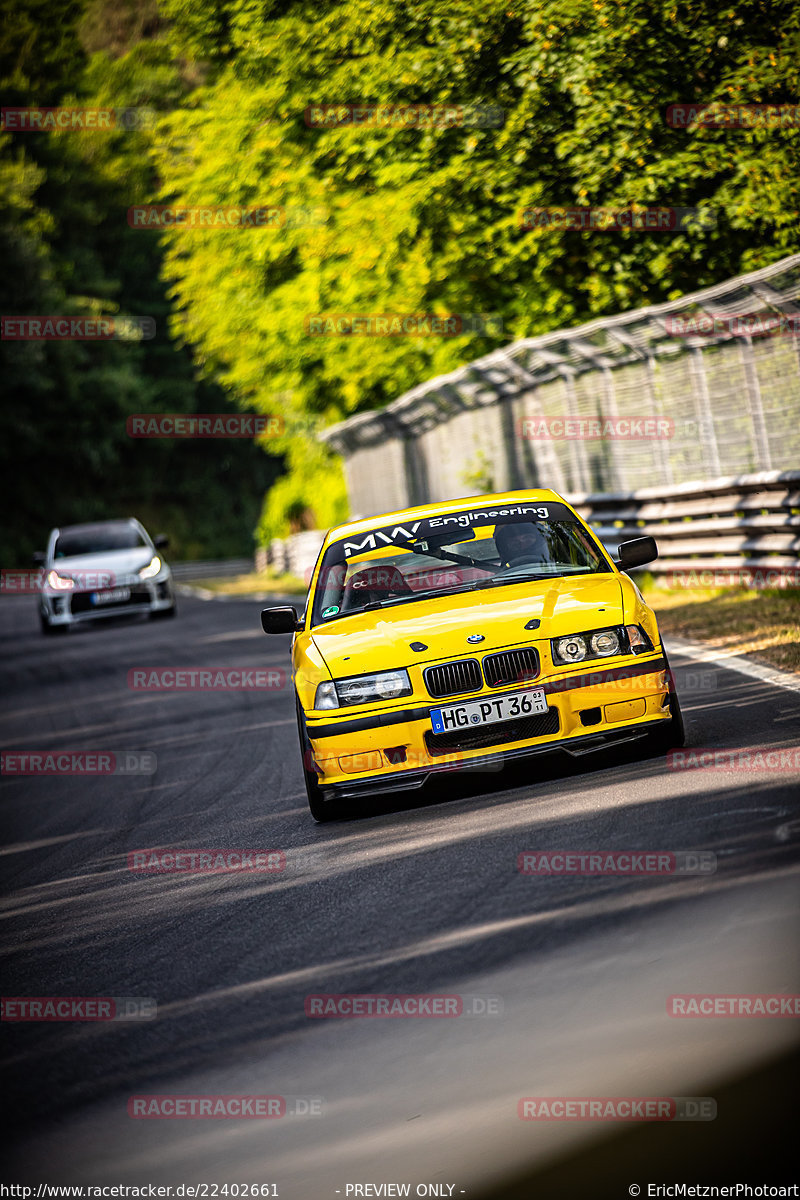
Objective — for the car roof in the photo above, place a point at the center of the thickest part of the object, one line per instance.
(494, 499)
(95, 525)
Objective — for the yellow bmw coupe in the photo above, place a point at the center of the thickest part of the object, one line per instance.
(466, 634)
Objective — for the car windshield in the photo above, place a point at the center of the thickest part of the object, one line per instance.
(454, 552)
(98, 539)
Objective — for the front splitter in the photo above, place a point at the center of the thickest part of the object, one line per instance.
(408, 781)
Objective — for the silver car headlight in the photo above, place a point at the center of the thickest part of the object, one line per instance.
(59, 583)
(363, 689)
(152, 568)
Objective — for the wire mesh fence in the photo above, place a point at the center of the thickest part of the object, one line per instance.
(699, 388)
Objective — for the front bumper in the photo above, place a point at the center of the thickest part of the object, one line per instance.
(76, 607)
(394, 750)
(403, 781)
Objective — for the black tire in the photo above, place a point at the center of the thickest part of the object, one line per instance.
(162, 614)
(673, 734)
(50, 630)
(321, 810)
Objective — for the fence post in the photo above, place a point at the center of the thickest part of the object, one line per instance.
(577, 450)
(705, 417)
(756, 407)
(658, 411)
(617, 473)
(545, 460)
(678, 380)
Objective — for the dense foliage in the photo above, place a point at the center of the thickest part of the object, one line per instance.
(397, 220)
(66, 248)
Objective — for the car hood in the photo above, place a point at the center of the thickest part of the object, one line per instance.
(380, 640)
(120, 564)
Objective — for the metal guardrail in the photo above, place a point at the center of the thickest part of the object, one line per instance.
(729, 524)
(294, 555)
(183, 572)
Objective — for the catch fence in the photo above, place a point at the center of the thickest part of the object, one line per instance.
(698, 389)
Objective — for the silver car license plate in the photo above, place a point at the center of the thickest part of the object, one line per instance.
(110, 595)
(488, 711)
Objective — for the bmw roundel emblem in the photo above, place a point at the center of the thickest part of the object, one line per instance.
(475, 637)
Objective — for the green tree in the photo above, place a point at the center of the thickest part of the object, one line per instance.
(68, 248)
(431, 220)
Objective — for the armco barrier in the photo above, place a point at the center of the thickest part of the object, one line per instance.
(750, 521)
(294, 555)
(184, 572)
(725, 524)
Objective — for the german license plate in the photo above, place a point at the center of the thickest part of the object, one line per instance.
(112, 594)
(488, 711)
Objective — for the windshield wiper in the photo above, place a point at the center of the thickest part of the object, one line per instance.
(492, 581)
(498, 581)
(421, 595)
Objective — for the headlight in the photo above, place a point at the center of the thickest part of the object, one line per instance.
(605, 643)
(638, 640)
(600, 643)
(569, 649)
(58, 583)
(326, 696)
(363, 689)
(152, 568)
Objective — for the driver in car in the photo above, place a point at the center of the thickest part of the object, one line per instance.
(523, 542)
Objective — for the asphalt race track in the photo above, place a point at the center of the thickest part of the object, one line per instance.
(421, 895)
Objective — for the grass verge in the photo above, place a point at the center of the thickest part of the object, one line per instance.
(760, 624)
(254, 584)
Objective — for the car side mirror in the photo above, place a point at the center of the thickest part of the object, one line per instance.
(161, 541)
(280, 620)
(636, 553)
(39, 558)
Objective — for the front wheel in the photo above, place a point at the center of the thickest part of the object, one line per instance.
(321, 810)
(672, 735)
(50, 630)
(163, 614)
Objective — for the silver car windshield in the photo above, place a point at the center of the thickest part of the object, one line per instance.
(97, 539)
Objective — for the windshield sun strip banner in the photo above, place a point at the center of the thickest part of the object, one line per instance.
(405, 534)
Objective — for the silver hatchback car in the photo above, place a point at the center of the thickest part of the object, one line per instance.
(102, 569)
